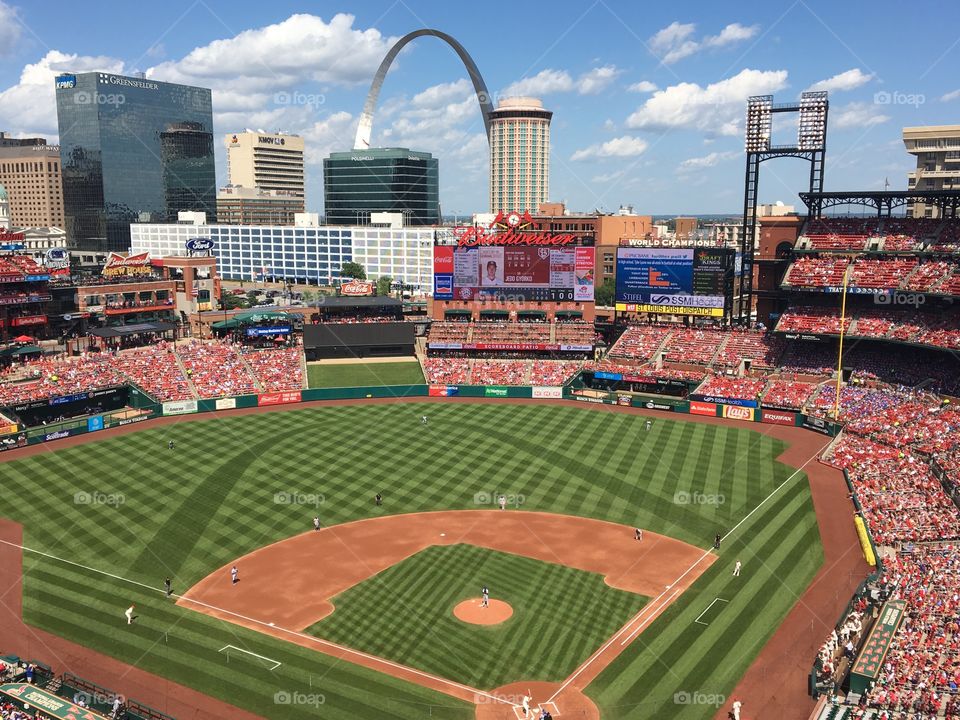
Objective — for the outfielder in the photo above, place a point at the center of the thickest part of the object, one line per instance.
(736, 569)
(129, 614)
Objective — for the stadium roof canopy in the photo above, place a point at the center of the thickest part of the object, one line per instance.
(883, 201)
(124, 330)
(363, 301)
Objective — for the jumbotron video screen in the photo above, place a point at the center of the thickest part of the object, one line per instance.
(527, 272)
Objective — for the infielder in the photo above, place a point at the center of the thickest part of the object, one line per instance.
(167, 587)
(485, 595)
(637, 534)
(503, 502)
(316, 523)
(736, 709)
(234, 575)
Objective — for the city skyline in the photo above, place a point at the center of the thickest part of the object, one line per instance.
(650, 114)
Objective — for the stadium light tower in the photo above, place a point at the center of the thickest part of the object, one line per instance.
(811, 146)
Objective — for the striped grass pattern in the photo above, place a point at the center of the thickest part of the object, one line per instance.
(405, 614)
(213, 498)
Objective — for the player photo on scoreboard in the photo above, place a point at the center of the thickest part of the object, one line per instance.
(491, 267)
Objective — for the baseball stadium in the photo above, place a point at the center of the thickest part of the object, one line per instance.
(731, 493)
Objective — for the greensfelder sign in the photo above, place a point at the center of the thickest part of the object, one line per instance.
(868, 665)
(495, 392)
(47, 702)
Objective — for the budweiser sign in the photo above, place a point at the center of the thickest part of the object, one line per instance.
(509, 229)
(117, 264)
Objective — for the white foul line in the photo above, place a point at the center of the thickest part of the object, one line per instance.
(253, 621)
(715, 600)
(636, 617)
(276, 663)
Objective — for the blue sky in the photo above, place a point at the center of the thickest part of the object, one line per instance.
(648, 100)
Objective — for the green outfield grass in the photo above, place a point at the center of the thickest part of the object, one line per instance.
(364, 375)
(405, 614)
(187, 511)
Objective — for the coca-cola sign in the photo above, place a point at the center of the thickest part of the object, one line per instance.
(356, 288)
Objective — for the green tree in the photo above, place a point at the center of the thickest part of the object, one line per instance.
(353, 270)
(383, 285)
(252, 297)
(605, 294)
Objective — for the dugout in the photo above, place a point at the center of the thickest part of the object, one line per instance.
(358, 340)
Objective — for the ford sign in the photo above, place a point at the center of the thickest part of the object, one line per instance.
(200, 245)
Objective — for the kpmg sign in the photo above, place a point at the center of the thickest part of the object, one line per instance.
(66, 82)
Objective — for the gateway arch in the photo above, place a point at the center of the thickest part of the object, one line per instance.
(365, 127)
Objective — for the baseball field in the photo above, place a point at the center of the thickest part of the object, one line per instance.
(106, 521)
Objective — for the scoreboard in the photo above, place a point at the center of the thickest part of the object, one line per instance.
(532, 273)
(681, 281)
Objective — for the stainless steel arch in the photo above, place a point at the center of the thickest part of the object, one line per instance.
(365, 127)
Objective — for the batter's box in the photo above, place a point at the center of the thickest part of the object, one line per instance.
(551, 707)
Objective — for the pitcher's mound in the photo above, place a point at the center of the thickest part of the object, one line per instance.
(469, 611)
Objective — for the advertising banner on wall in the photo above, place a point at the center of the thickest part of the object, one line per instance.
(702, 408)
(443, 391)
(553, 393)
(778, 417)
(225, 403)
(179, 407)
(736, 412)
(278, 398)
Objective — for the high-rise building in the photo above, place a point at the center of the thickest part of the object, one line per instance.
(254, 206)
(393, 180)
(937, 148)
(519, 155)
(267, 161)
(133, 150)
(30, 171)
(4, 209)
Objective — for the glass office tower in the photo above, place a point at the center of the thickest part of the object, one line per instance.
(396, 180)
(132, 150)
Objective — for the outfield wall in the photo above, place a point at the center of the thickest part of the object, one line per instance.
(150, 408)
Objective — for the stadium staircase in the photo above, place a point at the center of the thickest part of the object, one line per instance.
(187, 375)
(553, 332)
(256, 381)
(303, 370)
(470, 333)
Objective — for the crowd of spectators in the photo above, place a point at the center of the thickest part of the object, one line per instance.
(52, 378)
(553, 372)
(446, 370)
(216, 369)
(155, 369)
(693, 345)
(740, 388)
(500, 372)
(816, 272)
(788, 394)
(639, 342)
(511, 332)
(278, 369)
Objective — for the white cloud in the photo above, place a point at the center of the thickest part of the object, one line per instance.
(597, 80)
(29, 107)
(626, 146)
(732, 34)
(676, 41)
(848, 80)
(950, 96)
(644, 86)
(608, 177)
(10, 28)
(707, 161)
(551, 81)
(673, 42)
(544, 82)
(290, 55)
(857, 114)
(442, 94)
(716, 109)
